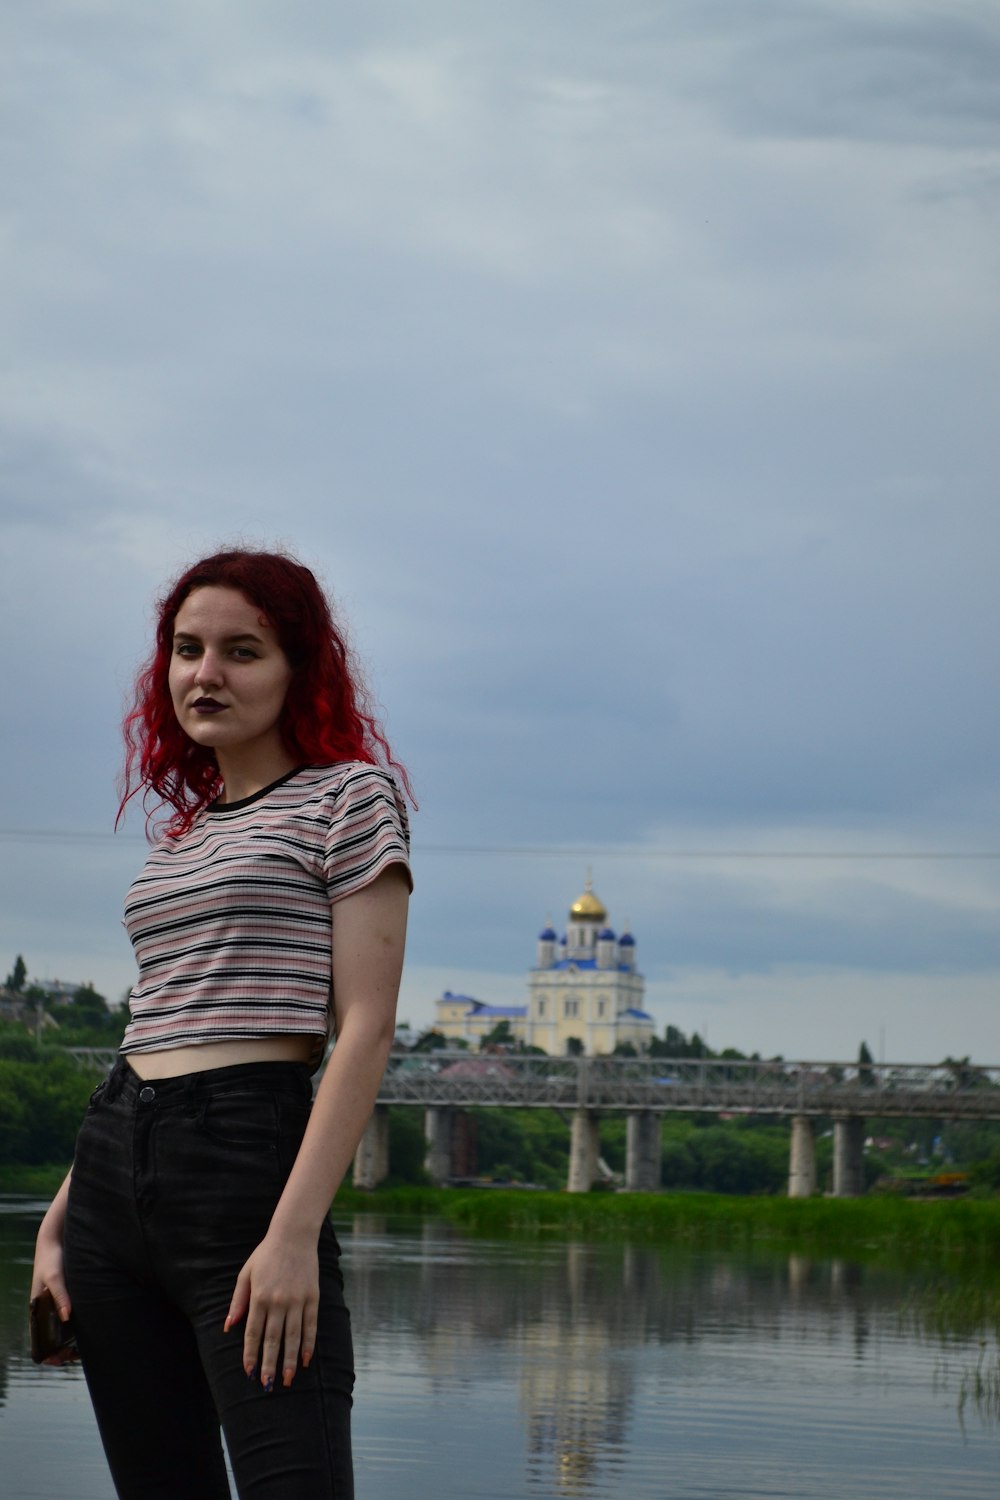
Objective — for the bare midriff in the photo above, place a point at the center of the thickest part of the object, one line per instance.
(175, 1061)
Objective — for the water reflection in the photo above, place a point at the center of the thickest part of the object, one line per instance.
(525, 1369)
(570, 1323)
(19, 1218)
(576, 1398)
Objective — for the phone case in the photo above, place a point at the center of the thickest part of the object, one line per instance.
(49, 1335)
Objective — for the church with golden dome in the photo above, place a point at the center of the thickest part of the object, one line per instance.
(584, 991)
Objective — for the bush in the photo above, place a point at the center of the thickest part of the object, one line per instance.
(528, 1145)
(985, 1174)
(740, 1161)
(18, 1046)
(679, 1165)
(41, 1106)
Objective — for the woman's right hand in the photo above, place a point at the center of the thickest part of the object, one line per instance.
(49, 1272)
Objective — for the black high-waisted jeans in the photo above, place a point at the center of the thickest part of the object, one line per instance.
(174, 1183)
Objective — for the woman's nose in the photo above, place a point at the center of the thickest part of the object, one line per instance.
(209, 669)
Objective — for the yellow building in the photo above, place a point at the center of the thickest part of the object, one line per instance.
(584, 988)
(460, 1018)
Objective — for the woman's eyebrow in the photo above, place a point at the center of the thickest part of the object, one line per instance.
(230, 640)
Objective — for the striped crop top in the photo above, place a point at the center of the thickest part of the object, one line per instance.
(231, 922)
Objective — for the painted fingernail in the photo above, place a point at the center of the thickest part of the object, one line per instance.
(269, 1385)
(252, 1374)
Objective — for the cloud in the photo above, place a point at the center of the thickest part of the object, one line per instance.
(627, 376)
(865, 72)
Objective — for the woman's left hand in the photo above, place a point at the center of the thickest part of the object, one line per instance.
(278, 1293)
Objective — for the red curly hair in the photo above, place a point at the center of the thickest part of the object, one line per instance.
(327, 715)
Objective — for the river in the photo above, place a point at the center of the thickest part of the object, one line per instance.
(526, 1369)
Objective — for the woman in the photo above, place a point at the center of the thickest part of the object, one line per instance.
(191, 1241)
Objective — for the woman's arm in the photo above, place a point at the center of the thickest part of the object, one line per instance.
(278, 1288)
(48, 1270)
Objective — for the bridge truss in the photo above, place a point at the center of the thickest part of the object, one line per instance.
(714, 1086)
(609, 1085)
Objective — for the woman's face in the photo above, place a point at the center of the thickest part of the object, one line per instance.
(228, 674)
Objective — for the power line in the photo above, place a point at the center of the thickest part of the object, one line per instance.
(645, 852)
(559, 851)
(66, 836)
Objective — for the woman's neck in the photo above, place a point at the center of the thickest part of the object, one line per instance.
(243, 776)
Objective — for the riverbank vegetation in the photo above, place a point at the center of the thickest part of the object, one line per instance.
(955, 1239)
(949, 1234)
(43, 1094)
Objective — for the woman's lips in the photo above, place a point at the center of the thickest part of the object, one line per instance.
(208, 706)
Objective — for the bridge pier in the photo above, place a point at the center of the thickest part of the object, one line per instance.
(848, 1156)
(438, 1123)
(583, 1152)
(802, 1158)
(643, 1152)
(371, 1160)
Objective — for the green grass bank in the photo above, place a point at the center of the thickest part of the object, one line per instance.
(957, 1235)
(954, 1234)
(41, 1181)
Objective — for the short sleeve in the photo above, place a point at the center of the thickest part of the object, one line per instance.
(368, 831)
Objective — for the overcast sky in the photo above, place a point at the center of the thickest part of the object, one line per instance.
(629, 373)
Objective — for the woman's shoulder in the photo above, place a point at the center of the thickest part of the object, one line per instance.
(346, 775)
(358, 812)
(348, 791)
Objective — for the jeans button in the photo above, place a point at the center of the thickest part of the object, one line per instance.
(147, 1095)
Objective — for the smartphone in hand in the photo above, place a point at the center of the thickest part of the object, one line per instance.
(50, 1336)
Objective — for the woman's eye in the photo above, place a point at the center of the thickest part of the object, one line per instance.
(244, 653)
(185, 648)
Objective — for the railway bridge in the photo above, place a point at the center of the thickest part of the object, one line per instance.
(447, 1084)
(645, 1090)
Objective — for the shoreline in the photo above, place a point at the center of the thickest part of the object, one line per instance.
(957, 1234)
(953, 1234)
